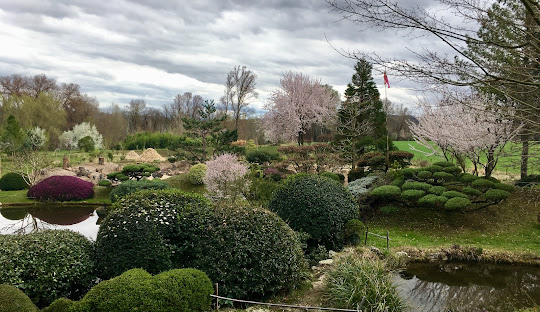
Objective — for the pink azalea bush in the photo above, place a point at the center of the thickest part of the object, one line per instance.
(61, 188)
(226, 177)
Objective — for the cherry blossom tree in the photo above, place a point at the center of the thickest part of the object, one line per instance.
(467, 126)
(299, 103)
(226, 177)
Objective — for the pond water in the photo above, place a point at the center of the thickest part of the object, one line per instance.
(82, 219)
(475, 287)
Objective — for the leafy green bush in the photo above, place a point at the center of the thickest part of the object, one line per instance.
(492, 179)
(13, 299)
(403, 158)
(86, 144)
(183, 290)
(457, 203)
(452, 194)
(437, 190)
(398, 182)
(47, 264)
(452, 170)
(61, 305)
(129, 187)
(354, 230)
(150, 140)
(468, 178)
(424, 174)
(472, 191)
(261, 189)
(505, 187)
(433, 168)
(330, 175)
(409, 173)
(376, 162)
(432, 200)
(355, 174)
(12, 182)
(196, 174)
(261, 157)
(444, 164)
(496, 196)
(104, 183)
(416, 186)
(482, 184)
(135, 171)
(443, 176)
(386, 192)
(389, 210)
(412, 195)
(315, 205)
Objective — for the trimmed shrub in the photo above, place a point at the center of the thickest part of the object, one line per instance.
(457, 203)
(130, 186)
(433, 168)
(86, 144)
(472, 191)
(386, 192)
(376, 162)
(389, 210)
(496, 196)
(482, 184)
(492, 179)
(354, 230)
(398, 182)
(443, 176)
(182, 290)
(403, 158)
(48, 264)
(61, 188)
(12, 182)
(432, 200)
(412, 195)
(361, 186)
(424, 174)
(452, 194)
(355, 174)
(409, 173)
(104, 183)
(416, 186)
(505, 187)
(261, 157)
(315, 205)
(437, 190)
(13, 299)
(261, 190)
(330, 175)
(444, 164)
(196, 174)
(452, 170)
(468, 178)
(60, 305)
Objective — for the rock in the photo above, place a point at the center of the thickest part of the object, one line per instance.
(332, 253)
(401, 254)
(82, 172)
(326, 262)
(157, 174)
(375, 250)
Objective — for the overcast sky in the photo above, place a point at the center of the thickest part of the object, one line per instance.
(155, 49)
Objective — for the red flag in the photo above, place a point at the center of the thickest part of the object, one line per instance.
(386, 83)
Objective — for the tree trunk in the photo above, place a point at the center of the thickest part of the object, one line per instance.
(300, 138)
(490, 166)
(524, 155)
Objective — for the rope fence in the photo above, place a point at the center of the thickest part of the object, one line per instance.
(387, 237)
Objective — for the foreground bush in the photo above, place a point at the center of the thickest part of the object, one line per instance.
(12, 182)
(315, 205)
(161, 230)
(261, 157)
(61, 188)
(128, 187)
(14, 300)
(48, 264)
(182, 290)
(196, 174)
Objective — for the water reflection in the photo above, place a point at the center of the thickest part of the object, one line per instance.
(469, 287)
(18, 220)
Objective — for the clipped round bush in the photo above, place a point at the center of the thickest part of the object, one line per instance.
(12, 182)
(443, 176)
(104, 183)
(416, 186)
(398, 182)
(412, 195)
(482, 184)
(315, 205)
(468, 178)
(61, 188)
(496, 196)
(452, 170)
(424, 175)
(182, 290)
(13, 299)
(376, 161)
(444, 164)
(48, 264)
(505, 187)
(330, 175)
(386, 192)
(355, 174)
(437, 190)
(457, 203)
(409, 173)
(260, 157)
(196, 174)
(433, 168)
(131, 186)
(432, 200)
(472, 191)
(492, 179)
(260, 189)
(61, 305)
(389, 209)
(452, 194)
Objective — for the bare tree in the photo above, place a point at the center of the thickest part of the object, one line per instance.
(135, 111)
(239, 90)
(186, 105)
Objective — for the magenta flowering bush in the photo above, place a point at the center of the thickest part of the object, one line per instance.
(61, 188)
(226, 177)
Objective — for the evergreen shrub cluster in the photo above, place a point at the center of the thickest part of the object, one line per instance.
(13, 299)
(61, 188)
(196, 174)
(128, 187)
(135, 171)
(261, 157)
(12, 182)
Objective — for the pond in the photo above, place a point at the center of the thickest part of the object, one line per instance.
(456, 286)
(82, 219)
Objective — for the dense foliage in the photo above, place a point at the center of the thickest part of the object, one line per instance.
(196, 174)
(47, 265)
(226, 177)
(315, 205)
(13, 299)
(133, 171)
(260, 157)
(12, 182)
(143, 140)
(128, 187)
(61, 188)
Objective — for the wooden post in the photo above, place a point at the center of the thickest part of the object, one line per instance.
(367, 228)
(216, 291)
(65, 163)
(387, 242)
(101, 160)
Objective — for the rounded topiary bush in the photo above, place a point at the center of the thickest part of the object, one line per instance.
(398, 182)
(505, 187)
(131, 186)
(496, 196)
(60, 305)
(315, 205)
(482, 184)
(424, 175)
(452, 170)
(196, 174)
(104, 183)
(260, 157)
(412, 195)
(432, 200)
(444, 164)
(437, 190)
(409, 173)
(416, 186)
(12, 182)
(61, 188)
(472, 191)
(452, 194)
(182, 290)
(330, 175)
(433, 168)
(457, 203)
(48, 265)
(386, 192)
(13, 299)
(443, 176)
(468, 178)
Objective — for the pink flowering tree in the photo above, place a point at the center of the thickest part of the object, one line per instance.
(299, 103)
(472, 126)
(226, 177)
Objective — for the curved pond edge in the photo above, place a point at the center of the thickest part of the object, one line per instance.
(469, 254)
(66, 203)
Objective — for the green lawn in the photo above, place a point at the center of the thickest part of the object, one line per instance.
(181, 181)
(101, 196)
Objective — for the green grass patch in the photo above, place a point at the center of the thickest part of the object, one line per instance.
(15, 197)
(181, 181)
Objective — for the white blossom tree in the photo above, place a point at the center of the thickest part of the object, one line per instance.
(70, 139)
(468, 126)
(299, 103)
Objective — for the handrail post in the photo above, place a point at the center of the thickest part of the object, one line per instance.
(216, 291)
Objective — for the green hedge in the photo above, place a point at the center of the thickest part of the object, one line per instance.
(386, 192)
(482, 184)
(496, 196)
(12, 182)
(432, 200)
(457, 203)
(412, 195)
(424, 174)
(437, 190)
(472, 192)
(128, 187)
(416, 186)
(14, 300)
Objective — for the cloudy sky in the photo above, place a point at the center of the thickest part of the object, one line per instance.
(121, 50)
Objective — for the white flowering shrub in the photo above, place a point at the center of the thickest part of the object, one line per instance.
(36, 138)
(226, 177)
(70, 139)
(361, 186)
